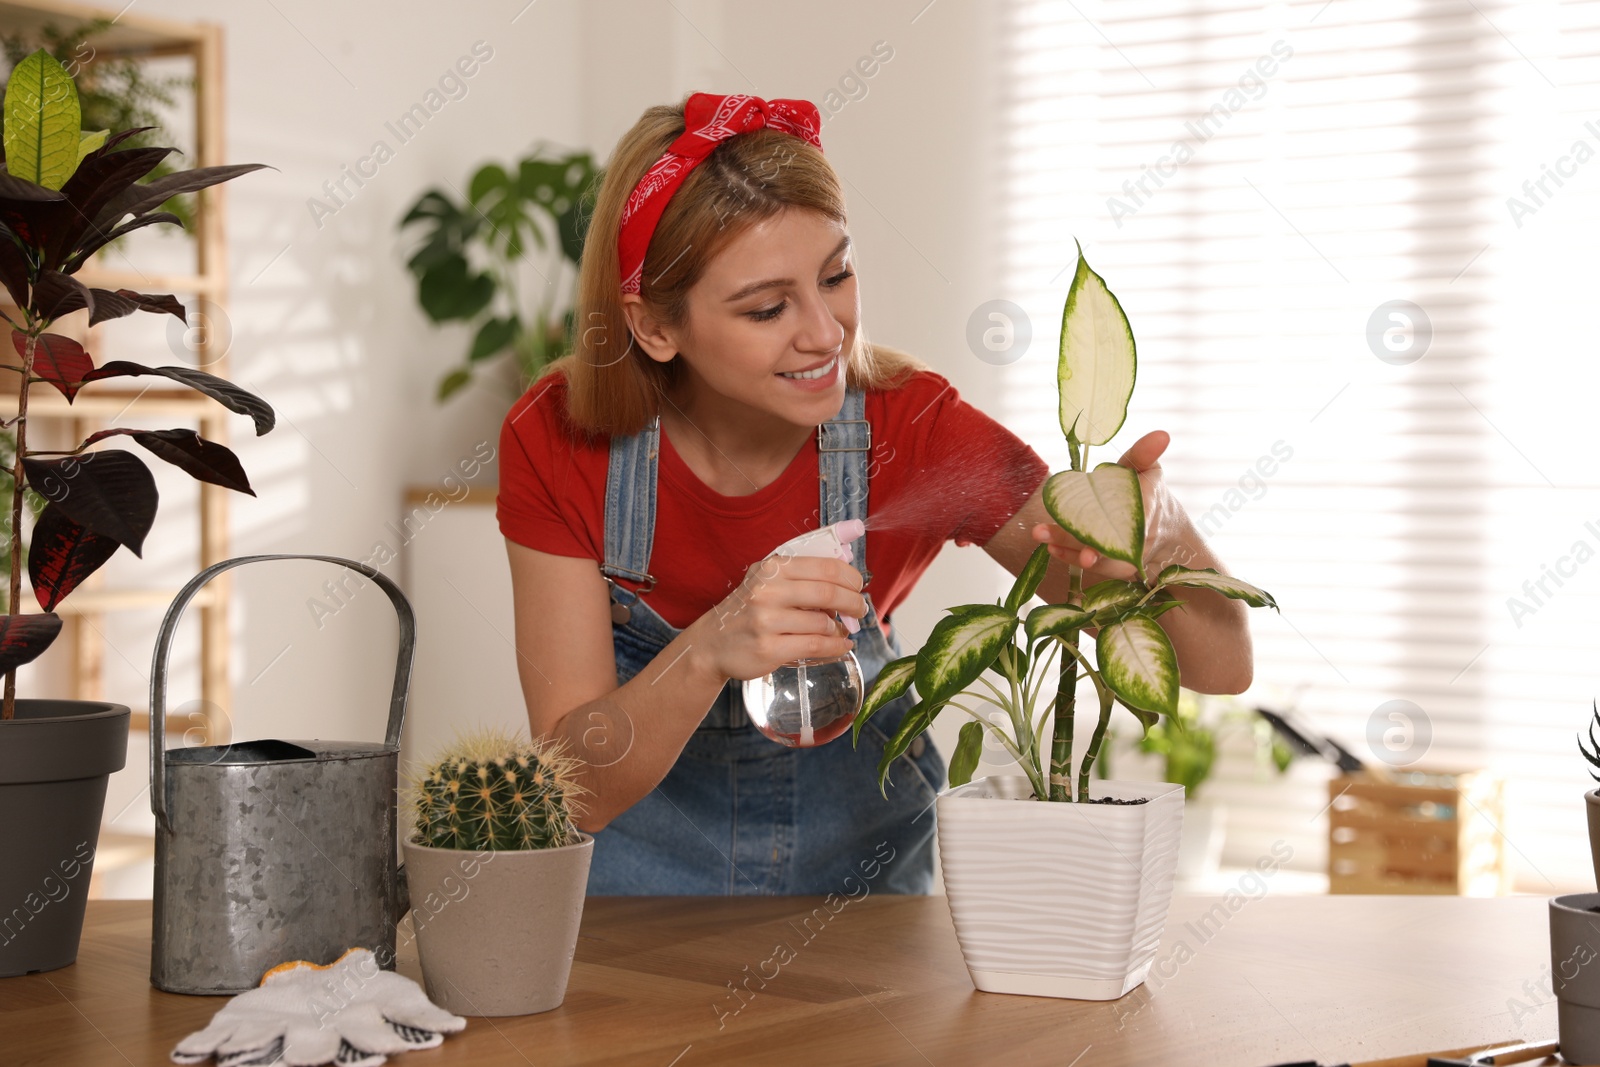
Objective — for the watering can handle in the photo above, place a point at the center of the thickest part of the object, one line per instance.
(158, 670)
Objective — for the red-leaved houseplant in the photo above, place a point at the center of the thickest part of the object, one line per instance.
(64, 194)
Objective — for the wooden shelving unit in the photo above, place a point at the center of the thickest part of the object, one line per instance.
(135, 36)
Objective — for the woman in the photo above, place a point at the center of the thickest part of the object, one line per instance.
(720, 399)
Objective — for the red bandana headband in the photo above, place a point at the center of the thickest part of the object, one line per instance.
(709, 119)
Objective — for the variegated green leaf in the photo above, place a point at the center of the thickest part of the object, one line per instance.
(1146, 719)
(969, 749)
(1052, 620)
(960, 648)
(1157, 607)
(1137, 661)
(1103, 508)
(968, 609)
(1227, 585)
(41, 122)
(1098, 362)
(918, 719)
(1107, 598)
(1028, 580)
(892, 681)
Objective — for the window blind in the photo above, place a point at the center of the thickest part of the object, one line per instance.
(1353, 238)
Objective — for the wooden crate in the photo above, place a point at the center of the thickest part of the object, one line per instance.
(1422, 832)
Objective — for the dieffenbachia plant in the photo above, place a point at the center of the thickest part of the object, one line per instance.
(65, 193)
(998, 654)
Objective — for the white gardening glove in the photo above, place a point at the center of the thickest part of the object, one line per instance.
(351, 1012)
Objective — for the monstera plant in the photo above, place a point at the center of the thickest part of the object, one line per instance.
(540, 204)
(64, 193)
(997, 653)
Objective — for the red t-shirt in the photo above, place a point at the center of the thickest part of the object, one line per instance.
(940, 470)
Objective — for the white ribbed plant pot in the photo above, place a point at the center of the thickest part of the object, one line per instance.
(1056, 899)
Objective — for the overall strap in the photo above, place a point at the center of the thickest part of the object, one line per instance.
(631, 505)
(844, 453)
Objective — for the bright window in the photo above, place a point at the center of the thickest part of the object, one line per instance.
(1292, 201)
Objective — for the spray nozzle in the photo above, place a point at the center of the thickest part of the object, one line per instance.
(828, 541)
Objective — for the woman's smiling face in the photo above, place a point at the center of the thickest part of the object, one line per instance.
(772, 322)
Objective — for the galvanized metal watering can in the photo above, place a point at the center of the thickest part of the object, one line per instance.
(272, 850)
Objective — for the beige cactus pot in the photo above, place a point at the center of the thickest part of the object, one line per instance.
(496, 930)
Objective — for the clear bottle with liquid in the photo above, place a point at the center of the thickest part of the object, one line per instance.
(806, 703)
(809, 702)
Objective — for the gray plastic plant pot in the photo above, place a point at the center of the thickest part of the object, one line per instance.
(1575, 974)
(1592, 804)
(496, 931)
(55, 757)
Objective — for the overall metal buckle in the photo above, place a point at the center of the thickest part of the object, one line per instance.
(622, 613)
(822, 445)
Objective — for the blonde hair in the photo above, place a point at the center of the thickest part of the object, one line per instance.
(612, 385)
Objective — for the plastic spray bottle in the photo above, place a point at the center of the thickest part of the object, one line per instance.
(810, 702)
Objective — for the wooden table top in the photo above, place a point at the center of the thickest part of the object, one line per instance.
(1282, 978)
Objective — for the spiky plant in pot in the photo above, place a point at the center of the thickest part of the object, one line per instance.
(1591, 754)
(1591, 798)
(490, 790)
(497, 872)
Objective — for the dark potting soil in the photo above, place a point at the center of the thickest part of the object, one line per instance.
(1101, 800)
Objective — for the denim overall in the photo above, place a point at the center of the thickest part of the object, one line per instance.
(739, 814)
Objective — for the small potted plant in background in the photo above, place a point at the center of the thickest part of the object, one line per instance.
(64, 194)
(541, 203)
(1057, 889)
(1187, 744)
(497, 871)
